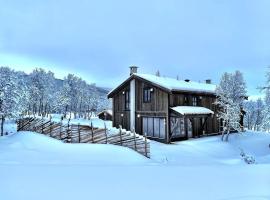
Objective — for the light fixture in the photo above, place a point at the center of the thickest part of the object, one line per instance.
(123, 92)
(151, 89)
(138, 115)
(122, 115)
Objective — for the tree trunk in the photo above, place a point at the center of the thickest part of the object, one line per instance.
(65, 113)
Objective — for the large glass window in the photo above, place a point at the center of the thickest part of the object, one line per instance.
(154, 127)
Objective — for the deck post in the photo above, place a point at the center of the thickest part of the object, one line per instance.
(186, 126)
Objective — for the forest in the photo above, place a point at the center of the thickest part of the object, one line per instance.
(40, 93)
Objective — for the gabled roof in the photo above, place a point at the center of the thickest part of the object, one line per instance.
(170, 84)
(192, 110)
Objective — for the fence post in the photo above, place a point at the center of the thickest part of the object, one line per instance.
(60, 133)
(92, 132)
(19, 125)
(120, 133)
(68, 138)
(34, 127)
(51, 123)
(134, 134)
(42, 125)
(79, 132)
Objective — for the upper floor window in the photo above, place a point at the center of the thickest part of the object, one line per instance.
(147, 95)
(127, 100)
(194, 101)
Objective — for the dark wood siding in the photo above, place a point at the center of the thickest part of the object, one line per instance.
(157, 107)
(119, 109)
(204, 100)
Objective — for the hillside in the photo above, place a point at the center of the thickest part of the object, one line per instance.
(38, 167)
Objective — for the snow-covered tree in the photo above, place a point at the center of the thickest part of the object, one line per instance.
(266, 112)
(231, 93)
(12, 94)
(41, 91)
(255, 115)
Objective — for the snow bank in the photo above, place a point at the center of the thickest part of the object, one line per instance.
(33, 148)
(34, 166)
(211, 151)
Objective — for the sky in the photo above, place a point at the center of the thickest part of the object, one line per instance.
(99, 40)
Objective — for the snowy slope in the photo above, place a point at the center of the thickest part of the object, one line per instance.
(33, 148)
(33, 166)
(211, 151)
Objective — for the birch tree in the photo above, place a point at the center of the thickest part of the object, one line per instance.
(231, 93)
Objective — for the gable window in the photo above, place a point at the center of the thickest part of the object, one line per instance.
(147, 95)
(194, 101)
(127, 100)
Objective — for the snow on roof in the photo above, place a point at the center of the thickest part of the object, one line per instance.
(178, 85)
(191, 110)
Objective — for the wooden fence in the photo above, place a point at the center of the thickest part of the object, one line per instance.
(76, 133)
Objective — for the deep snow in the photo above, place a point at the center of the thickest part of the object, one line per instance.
(34, 166)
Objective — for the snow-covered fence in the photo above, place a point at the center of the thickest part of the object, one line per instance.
(76, 133)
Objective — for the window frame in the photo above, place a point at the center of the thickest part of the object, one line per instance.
(194, 101)
(127, 100)
(147, 95)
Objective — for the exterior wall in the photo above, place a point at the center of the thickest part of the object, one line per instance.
(158, 107)
(119, 109)
(204, 100)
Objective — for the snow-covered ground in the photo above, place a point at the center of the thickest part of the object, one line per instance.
(34, 166)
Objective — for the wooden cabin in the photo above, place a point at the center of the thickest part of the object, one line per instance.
(105, 115)
(164, 109)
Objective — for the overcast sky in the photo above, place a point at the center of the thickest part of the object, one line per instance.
(98, 40)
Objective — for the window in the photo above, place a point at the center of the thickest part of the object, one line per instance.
(194, 101)
(127, 100)
(177, 127)
(147, 95)
(154, 127)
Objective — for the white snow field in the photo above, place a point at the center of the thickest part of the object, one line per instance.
(36, 167)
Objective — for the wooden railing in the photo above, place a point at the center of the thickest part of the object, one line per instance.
(76, 133)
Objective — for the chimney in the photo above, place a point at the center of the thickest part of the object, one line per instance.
(187, 80)
(133, 69)
(208, 81)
